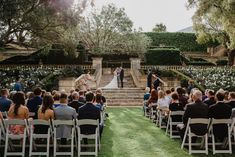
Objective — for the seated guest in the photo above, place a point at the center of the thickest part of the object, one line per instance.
(82, 97)
(64, 112)
(75, 103)
(205, 96)
(18, 86)
(56, 98)
(226, 95)
(70, 95)
(220, 110)
(195, 110)
(211, 98)
(29, 95)
(89, 111)
(34, 103)
(168, 96)
(152, 101)
(45, 112)
(231, 99)
(147, 93)
(99, 91)
(18, 111)
(5, 103)
(175, 105)
(162, 102)
(182, 98)
(98, 102)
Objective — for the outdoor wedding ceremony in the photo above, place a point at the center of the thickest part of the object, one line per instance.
(117, 78)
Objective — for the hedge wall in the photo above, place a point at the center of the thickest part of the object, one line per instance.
(182, 41)
(162, 56)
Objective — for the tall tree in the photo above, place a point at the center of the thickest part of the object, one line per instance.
(214, 19)
(110, 31)
(159, 28)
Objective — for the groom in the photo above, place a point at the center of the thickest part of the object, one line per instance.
(121, 76)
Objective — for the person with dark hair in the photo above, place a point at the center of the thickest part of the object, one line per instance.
(18, 111)
(75, 103)
(89, 111)
(56, 98)
(18, 86)
(64, 112)
(98, 102)
(5, 103)
(99, 91)
(182, 98)
(34, 103)
(149, 79)
(211, 98)
(45, 112)
(220, 110)
(157, 82)
(175, 105)
(82, 97)
(70, 95)
(231, 98)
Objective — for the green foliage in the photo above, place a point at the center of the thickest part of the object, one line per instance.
(159, 28)
(110, 31)
(163, 56)
(182, 41)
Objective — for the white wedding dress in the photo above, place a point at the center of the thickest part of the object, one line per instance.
(113, 83)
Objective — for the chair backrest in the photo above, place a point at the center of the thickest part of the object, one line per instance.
(87, 122)
(221, 121)
(14, 122)
(4, 114)
(198, 121)
(63, 122)
(176, 113)
(39, 122)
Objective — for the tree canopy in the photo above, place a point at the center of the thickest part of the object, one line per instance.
(110, 31)
(159, 28)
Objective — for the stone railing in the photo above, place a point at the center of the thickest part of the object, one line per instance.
(50, 66)
(138, 78)
(161, 67)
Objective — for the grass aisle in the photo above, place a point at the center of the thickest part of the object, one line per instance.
(129, 134)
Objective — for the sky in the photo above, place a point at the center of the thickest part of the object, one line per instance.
(147, 13)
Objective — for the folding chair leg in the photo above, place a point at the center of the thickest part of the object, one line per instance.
(206, 144)
(24, 143)
(6, 145)
(184, 139)
(190, 143)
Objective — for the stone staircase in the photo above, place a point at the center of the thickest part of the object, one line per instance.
(127, 96)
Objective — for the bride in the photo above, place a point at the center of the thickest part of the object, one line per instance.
(113, 83)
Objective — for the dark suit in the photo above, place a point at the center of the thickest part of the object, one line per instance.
(196, 110)
(220, 110)
(210, 101)
(76, 104)
(232, 104)
(33, 105)
(5, 104)
(88, 111)
(121, 77)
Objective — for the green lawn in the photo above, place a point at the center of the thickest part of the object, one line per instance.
(129, 134)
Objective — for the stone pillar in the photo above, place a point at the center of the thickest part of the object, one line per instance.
(97, 61)
(135, 63)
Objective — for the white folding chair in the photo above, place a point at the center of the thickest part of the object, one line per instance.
(232, 130)
(94, 136)
(64, 123)
(161, 114)
(11, 136)
(153, 112)
(33, 136)
(228, 142)
(2, 132)
(190, 134)
(170, 123)
(146, 114)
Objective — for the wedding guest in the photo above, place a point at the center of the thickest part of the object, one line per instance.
(34, 103)
(175, 105)
(231, 99)
(18, 86)
(152, 101)
(226, 95)
(211, 98)
(182, 98)
(75, 103)
(70, 95)
(29, 95)
(82, 96)
(98, 102)
(162, 102)
(103, 99)
(56, 98)
(18, 111)
(5, 103)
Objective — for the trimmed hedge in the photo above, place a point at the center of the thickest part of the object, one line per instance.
(162, 56)
(182, 41)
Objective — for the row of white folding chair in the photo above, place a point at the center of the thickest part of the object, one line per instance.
(210, 123)
(171, 123)
(51, 129)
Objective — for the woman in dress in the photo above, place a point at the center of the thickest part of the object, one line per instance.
(18, 111)
(113, 83)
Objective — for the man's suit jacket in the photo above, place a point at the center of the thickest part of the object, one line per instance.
(121, 74)
(196, 110)
(210, 101)
(76, 105)
(220, 110)
(88, 111)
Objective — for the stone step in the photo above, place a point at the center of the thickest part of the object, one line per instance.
(125, 104)
(126, 98)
